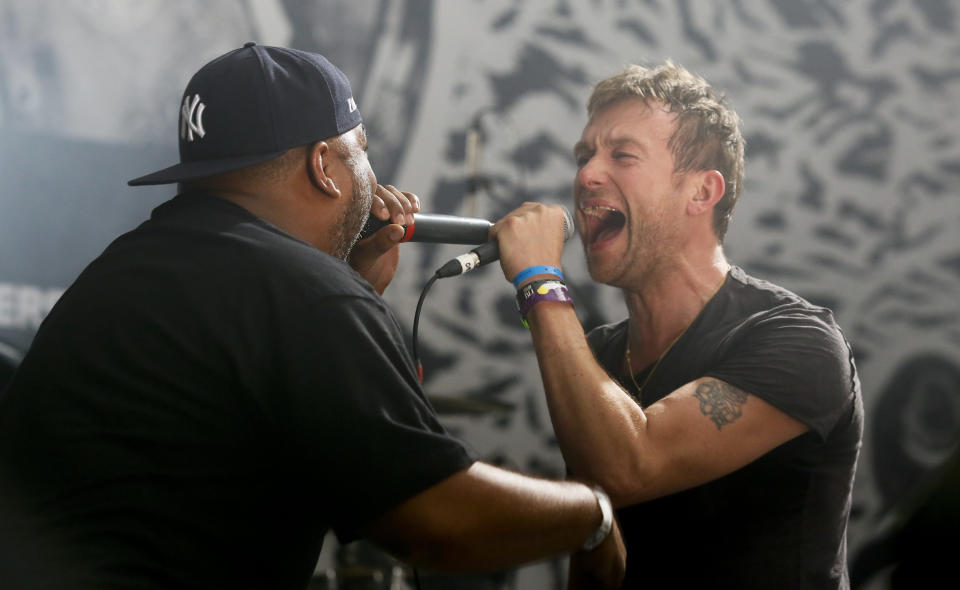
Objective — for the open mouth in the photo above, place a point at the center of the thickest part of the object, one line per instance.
(602, 223)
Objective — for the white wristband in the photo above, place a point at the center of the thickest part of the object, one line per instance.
(606, 524)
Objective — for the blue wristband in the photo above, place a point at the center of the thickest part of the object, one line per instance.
(536, 270)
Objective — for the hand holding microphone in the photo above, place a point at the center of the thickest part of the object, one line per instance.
(376, 259)
(453, 229)
(534, 232)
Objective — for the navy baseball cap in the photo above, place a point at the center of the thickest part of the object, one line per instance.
(253, 104)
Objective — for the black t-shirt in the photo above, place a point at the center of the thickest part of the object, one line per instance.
(779, 522)
(205, 401)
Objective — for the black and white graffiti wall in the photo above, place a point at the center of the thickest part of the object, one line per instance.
(851, 198)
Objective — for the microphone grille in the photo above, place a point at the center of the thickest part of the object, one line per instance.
(568, 226)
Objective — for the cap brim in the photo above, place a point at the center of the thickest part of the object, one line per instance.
(201, 169)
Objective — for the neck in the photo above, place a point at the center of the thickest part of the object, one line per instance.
(282, 209)
(664, 307)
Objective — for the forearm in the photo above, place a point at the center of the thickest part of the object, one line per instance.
(485, 519)
(599, 427)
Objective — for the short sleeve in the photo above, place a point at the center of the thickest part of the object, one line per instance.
(354, 412)
(795, 358)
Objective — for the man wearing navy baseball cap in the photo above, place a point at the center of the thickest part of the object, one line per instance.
(224, 384)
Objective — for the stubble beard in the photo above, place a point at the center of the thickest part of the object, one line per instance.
(638, 263)
(355, 215)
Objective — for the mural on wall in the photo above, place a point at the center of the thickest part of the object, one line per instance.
(850, 112)
(853, 160)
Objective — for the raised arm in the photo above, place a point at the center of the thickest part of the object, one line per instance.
(703, 430)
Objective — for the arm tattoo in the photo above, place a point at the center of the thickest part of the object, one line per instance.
(720, 402)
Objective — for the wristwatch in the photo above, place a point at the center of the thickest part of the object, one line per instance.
(606, 524)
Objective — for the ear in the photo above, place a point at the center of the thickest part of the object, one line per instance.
(320, 158)
(709, 188)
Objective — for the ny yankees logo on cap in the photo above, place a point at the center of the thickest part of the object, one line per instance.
(191, 118)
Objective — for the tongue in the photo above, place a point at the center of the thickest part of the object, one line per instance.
(607, 231)
(592, 226)
(606, 228)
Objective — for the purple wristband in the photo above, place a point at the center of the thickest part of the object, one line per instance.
(538, 291)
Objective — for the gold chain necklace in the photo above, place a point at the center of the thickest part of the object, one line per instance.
(626, 355)
(630, 368)
(653, 369)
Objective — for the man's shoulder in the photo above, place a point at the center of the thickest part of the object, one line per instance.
(759, 312)
(204, 243)
(757, 298)
(750, 284)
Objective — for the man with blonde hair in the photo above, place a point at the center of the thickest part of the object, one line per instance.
(723, 415)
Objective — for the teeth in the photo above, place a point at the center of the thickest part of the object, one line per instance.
(598, 210)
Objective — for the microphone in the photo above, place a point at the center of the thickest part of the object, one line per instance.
(437, 228)
(490, 251)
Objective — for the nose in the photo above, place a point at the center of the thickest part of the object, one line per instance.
(591, 173)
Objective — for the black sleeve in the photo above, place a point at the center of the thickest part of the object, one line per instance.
(607, 343)
(355, 411)
(798, 361)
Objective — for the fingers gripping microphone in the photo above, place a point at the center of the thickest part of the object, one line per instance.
(490, 251)
(457, 230)
(437, 229)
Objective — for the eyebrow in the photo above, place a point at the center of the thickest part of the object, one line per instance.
(581, 146)
(620, 142)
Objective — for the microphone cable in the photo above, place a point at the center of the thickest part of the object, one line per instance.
(479, 256)
(416, 359)
(416, 324)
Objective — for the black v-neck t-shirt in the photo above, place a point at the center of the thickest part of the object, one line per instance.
(779, 522)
